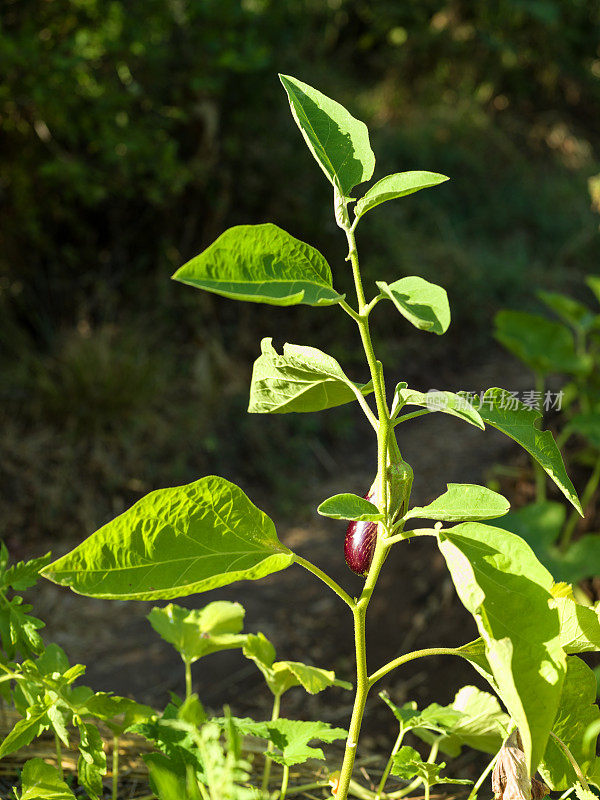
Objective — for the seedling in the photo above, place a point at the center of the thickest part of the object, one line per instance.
(188, 539)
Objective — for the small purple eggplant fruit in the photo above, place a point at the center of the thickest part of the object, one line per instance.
(359, 544)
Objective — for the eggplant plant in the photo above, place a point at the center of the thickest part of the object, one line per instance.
(207, 534)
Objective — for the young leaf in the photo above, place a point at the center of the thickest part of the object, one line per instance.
(41, 781)
(479, 724)
(544, 345)
(26, 730)
(349, 506)
(302, 379)
(22, 575)
(463, 502)
(498, 408)
(196, 633)
(283, 675)
(397, 185)
(423, 304)
(338, 141)
(262, 264)
(540, 525)
(175, 542)
(446, 402)
(499, 580)
(117, 713)
(291, 737)
(91, 765)
(434, 718)
(576, 712)
(408, 764)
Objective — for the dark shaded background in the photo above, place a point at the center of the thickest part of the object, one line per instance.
(133, 133)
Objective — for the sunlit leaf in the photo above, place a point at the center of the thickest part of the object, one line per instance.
(338, 141)
(507, 414)
(424, 304)
(198, 632)
(506, 589)
(41, 781)
(261, 264)
(397, 185)
(463, 502)
(175, 542)
(445, 402)
(350, 506)
(283, 675)
(302, 379)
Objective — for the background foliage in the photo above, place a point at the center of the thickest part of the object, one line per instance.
(132, 134)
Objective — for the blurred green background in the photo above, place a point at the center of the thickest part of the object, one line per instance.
(133, 133)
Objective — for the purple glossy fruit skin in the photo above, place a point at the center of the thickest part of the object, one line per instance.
(359, 544)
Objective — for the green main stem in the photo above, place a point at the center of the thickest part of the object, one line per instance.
(384, 428)
(115, 768)
(360, 609)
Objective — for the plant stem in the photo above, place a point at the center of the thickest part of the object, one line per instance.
(307, 787)
(326, 579)
(573, 762)
(188, 678)
(268, 761)
(483, 776)
(59, 756)
(359, 609)
(586, 498)
(115, 767)
(398, 662)
(540, 475)
(388, 766)
(284, 782)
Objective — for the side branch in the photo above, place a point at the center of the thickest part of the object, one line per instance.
(323, 576)
(398, 662)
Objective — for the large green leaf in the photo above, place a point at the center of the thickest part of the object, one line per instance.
(302, 379)
(338, 141)
(175, 542)
(26, 729)
(506, 589)
(397, 185)
(463, 502)
(507, 414)
(262, 264)
(544, 345)
(41, 781)
(479, 724)
(424, 304)
(540, 524)
(446, 402)
(199, 632)
(577, 711)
